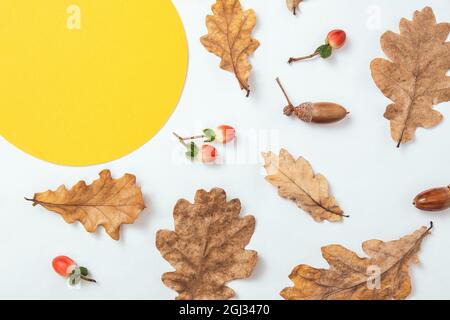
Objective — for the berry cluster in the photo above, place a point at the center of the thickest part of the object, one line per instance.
(207, 153)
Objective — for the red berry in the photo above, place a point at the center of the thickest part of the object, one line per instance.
(336, 38)
(225, 134)
(209, 153)
(63, 265)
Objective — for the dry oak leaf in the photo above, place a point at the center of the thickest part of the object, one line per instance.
(296, 180)
(106, 202)
(415, 78)
(293, 5)
(207, 248)
(229, 37)
(384, 275)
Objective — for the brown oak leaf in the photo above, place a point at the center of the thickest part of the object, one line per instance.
(106, 202)
(229, 37)
(296, 180)
(207, 248)
(293, 5)
(384, 275)
(415, 78)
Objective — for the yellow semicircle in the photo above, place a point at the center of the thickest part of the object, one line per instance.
(85, 82)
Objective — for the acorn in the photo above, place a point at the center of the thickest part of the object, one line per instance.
(317, 112)
(437, 199)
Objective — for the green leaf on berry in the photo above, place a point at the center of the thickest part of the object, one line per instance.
(75, 277)
(209, 134)
(84, 271)
(192, 151)
(325, 51)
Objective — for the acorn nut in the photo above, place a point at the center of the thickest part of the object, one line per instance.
(437, 199)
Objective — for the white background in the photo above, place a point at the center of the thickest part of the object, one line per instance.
(373, 181)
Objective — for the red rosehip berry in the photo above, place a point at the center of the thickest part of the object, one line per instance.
(225, 134)
(336, 38)
(63, 265)
(208, 153)
(67, 268)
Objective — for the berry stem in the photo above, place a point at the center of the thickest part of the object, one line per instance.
(312, 55)
(284, 92)
(88, 279)
(194, 137)
(180, 139)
